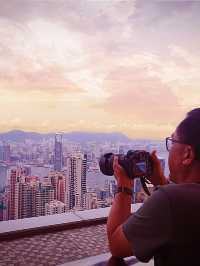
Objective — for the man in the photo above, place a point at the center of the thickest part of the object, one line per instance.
(167, 226)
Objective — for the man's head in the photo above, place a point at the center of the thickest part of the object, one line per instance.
(184, 155)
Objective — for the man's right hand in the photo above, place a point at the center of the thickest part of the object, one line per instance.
(157, 177)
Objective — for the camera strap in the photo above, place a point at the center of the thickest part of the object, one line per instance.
(143, 182)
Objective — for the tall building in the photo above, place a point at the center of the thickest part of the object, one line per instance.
(58, 182)
(21, 193)
(77, 166)
(44, 194)
(112, 187)
(90, 200)
(1, 207)
(109, 190)
(1, 152)
(26, 195)
(5, 152)
(13, 196)
(3, 175)
(58, 154)
(54, 207)
(29, 186)
(67, 190)
(4, 205)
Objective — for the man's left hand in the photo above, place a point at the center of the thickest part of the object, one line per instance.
(121, 175)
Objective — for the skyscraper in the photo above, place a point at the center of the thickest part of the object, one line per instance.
(26, 195)
(6, 155)
(5, 202)
(76, 166)
(13, 199)
(21, 199)
(1, 153)
(3, 174)
(58, 154)
(5, 152)
(90, 200)
(58, 182)
(54, 207)
(44, 194)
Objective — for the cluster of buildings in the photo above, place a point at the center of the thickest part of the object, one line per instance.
(62, 190)
(59, 192)
(60, 186)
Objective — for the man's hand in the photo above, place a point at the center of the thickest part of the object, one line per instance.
(120, 175)
(119, 213)
(157, 177)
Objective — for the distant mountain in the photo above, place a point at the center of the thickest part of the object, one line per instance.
(19, 136)
(88, 136)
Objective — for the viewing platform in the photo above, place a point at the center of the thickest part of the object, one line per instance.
(75, 238)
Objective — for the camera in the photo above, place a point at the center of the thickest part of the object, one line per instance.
(136, 163)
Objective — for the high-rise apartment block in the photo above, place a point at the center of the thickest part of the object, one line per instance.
(13, 196)
(44, 194)
(58, 154)
(76, 168)
(3, 174)
(5, 152)
(59, 184)
(21, 195)
(55, 207)
(25, 204)
(110, 187)
(90, 200)
(26, 195)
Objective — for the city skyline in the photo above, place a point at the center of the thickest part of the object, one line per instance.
(99, 66)
(42, 177)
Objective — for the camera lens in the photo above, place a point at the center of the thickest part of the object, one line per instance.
(106, 164)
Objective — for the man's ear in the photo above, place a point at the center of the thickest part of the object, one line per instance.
(188, 155)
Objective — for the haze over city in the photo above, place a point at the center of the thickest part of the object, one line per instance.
(99, 66)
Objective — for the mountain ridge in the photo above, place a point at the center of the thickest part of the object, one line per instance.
(79, 136)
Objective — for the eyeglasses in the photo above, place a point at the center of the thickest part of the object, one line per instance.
(169, 142)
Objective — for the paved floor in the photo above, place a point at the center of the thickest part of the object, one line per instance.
(55, 248)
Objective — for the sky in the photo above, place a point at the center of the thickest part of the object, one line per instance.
(99, 65)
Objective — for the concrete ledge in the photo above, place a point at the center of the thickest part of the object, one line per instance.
(102, 260)
(43, 224)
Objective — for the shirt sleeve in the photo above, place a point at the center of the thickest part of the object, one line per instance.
(149, 228)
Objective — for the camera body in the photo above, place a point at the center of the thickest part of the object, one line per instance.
(135, 163)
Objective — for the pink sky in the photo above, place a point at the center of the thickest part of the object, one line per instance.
(128, 66)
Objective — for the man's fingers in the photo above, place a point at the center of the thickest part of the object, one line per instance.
(154, 157)
(116, 166)
(115, 162)
(153, 154)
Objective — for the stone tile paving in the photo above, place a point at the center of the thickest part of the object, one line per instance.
(54, 248)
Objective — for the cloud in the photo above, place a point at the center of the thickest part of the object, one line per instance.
(137, 95)
(119, 64)
(50, 79)
(37, 56)
(70, 11)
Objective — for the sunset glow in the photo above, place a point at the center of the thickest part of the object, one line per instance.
(99, 66)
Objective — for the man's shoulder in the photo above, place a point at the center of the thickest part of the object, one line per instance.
(187, 190)
(179, 187)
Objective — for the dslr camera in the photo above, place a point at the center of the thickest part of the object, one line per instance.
(137, 164)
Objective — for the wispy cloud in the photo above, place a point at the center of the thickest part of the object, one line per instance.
(127, 65)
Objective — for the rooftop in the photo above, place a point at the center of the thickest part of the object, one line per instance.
(77, 238)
